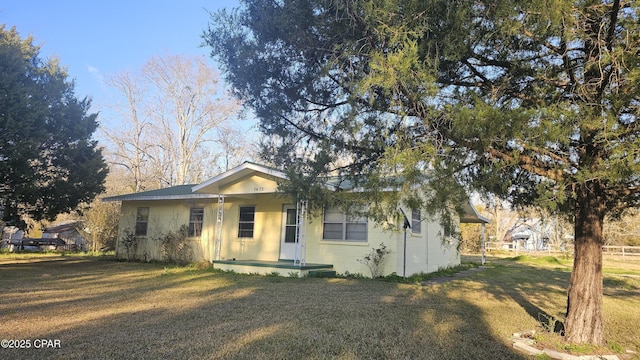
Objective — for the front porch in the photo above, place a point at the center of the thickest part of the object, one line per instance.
(282, 267)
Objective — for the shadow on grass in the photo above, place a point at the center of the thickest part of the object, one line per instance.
(540, 292)
(120, 310)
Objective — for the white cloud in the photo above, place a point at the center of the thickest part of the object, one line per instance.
(95, 72)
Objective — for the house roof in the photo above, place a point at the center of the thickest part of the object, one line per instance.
(178, 192)
(210, 189)
(213, 185)
(61, 226)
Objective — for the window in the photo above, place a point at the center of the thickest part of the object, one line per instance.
(142, 220)
(338, 226)
(416, 222)
(247, 221)
(195, 221)
(290, 226)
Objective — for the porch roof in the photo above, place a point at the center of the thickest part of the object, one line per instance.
(471, 216)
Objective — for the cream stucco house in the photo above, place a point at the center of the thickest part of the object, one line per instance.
(239, 221)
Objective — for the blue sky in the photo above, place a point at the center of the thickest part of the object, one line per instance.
(95, 39)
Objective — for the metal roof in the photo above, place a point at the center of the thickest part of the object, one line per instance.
(178, 192)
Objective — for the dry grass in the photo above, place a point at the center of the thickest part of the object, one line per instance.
(102, 309)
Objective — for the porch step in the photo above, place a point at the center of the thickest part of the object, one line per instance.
(322, 273)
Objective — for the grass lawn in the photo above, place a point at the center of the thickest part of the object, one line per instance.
(103, 309)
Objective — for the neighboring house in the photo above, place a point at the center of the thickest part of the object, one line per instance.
(528, 235)
(240, 222)
(61, 236)
(10, 235)
(67, 231)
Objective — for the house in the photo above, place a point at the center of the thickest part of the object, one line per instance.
(67, 231)
(239, 221)
(526, 235)
(60, 236)
(10, 236)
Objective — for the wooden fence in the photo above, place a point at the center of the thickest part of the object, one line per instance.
(626, 252)
(517, 248)
(630, 252)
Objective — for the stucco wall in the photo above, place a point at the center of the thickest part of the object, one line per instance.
(425, 251)
(428, 251)
(265, 244)
(344, 255)
(164, 216)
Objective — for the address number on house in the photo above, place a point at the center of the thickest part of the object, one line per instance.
(258, 189)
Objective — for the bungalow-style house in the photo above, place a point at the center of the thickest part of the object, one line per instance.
(238, 221)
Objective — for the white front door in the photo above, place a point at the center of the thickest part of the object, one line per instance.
(288, 242)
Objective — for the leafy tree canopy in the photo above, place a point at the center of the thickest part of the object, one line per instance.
(48, 161)
(535, 101)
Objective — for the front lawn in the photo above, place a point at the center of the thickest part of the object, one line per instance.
(103, 309)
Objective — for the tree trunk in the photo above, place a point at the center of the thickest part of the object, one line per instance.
(584, 322)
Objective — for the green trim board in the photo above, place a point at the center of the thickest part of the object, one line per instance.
(280, 264)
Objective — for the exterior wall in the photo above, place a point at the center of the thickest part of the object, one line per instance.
(165, 216)
(258, 191)
(428, 251)
(425, 251)
(344, 255)
(267, 232)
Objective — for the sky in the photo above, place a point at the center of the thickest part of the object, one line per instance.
(96, 39)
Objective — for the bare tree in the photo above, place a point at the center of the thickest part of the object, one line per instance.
(624, 231)
(502, 217)
(176, 119)
(188, 107)
(130, 145)
(232, 140)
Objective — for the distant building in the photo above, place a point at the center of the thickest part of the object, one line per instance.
(9, 234)
(68, 232)
(529, 235)
(60, 236)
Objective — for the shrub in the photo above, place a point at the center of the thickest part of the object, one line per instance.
(375, 259)
(130, 243)
(174, 246)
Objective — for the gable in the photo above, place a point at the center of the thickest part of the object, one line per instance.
(248, 178)
(251, 184)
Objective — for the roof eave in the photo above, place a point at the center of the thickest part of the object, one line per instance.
(159, 197)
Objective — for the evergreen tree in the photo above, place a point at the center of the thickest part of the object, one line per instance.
(535, 101)
(48, 161)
